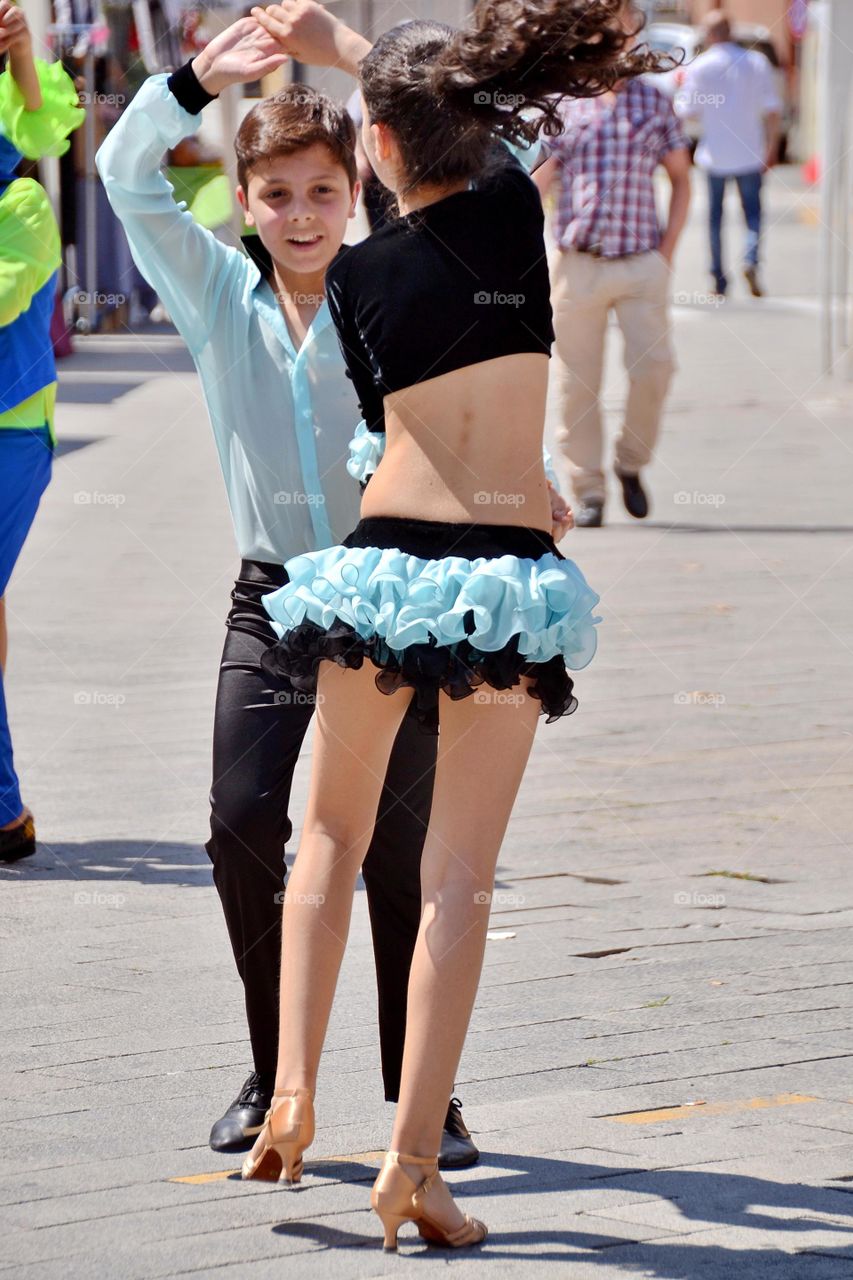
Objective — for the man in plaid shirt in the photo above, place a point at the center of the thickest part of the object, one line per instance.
(613, 254)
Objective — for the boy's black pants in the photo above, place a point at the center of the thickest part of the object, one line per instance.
(258, 733)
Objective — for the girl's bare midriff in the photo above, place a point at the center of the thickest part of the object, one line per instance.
(467, 447)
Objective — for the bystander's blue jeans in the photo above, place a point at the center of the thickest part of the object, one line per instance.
(25, 464)
(749, 188)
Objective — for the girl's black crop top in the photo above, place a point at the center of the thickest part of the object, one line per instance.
(460, 281)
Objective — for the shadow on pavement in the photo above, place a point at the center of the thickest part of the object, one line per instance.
(94, 392)
(70, 444)
(117, 861)
(139, 861)
(703, 1198)
(161, 359)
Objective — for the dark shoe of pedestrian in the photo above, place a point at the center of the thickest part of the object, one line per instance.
(634, 497)
(18, 841)
(457, 1145)
(244, 1119)
(719, 286)
(750, 275)
(589, 514)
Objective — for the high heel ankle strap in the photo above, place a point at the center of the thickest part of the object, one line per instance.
(292, 1093)
(398, 1156)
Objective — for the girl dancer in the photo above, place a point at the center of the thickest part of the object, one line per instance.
(451, 584)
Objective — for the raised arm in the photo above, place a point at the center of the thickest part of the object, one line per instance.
(189, 268)
(15, 40)
(308, 32)
(38, 102)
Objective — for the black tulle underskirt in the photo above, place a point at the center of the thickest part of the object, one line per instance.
(457, 670)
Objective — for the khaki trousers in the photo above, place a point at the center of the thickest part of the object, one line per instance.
(584, 290)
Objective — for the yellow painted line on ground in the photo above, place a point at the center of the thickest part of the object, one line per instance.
(200, 1179)
(709, 1108)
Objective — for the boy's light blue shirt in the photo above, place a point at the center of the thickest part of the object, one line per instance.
(282, 419)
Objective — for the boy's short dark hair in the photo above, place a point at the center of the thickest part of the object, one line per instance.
(290, 120)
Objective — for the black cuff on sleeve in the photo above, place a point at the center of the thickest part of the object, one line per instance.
(188, 90)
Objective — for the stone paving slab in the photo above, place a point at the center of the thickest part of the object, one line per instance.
(713, 736)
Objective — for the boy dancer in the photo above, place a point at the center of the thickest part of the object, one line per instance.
(282, 412)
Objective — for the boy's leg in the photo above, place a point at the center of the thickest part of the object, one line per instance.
(392, 878)
(258, 733)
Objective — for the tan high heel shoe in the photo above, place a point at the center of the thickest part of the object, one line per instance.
(397, 1198)
(288, 1130)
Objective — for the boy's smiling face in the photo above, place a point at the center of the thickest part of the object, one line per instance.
(300, 204)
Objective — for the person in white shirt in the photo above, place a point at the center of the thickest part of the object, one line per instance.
(731, 92)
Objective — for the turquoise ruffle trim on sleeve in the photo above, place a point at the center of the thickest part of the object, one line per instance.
(43, 132)
(365, 452)
(545, 604)
(367, 447)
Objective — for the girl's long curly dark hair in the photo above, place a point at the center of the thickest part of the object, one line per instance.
(447, 93)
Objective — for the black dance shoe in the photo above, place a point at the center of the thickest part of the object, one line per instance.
(634, 497)
(457, 1145)
(244, 1119)
(20, 841)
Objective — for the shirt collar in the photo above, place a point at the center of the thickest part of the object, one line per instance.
(261, 259)
(259, 255)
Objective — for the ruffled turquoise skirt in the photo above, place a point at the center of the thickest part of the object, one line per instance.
(437, 607)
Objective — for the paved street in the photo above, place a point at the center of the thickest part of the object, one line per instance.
(659, 1066)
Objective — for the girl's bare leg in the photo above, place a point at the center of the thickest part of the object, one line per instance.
(483, 750)
(355, 730)
(484, 745)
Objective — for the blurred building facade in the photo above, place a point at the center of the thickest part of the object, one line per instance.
(780, 17)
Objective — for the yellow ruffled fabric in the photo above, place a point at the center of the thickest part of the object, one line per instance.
(30, 248)
(43, 132)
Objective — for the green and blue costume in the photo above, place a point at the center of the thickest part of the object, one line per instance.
(30, 255)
